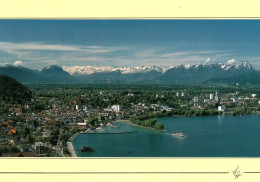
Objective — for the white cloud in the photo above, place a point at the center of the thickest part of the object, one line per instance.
(18, 63)
(186, 53)
(39, 54)
(36, 46)
(81, 59)
(231, 61)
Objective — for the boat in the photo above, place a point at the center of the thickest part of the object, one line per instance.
(86, 149)
(179, 134)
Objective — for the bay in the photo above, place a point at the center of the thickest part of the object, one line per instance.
(207, 136)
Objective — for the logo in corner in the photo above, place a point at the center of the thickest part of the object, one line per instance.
(237, 172)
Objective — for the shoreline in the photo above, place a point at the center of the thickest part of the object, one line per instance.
(70, 145)
(133, 124)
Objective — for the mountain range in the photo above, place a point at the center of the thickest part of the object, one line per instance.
(210, 73)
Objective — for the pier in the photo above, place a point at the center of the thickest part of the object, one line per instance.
(110, 132)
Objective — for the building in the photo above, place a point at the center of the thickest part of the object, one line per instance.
(38, 145)
(196, 99)
(206, 100)
(116, 108)
(211, 96)
(221, 108)
(166, 108)
(182, 94)
(177, 94)
(108, 109)
(216, 98)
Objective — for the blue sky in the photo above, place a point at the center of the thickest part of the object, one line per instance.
(40, 43)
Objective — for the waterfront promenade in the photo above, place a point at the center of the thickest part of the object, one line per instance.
(70, 146)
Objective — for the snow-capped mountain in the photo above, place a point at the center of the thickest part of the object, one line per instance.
(88, 70)
(142, 74)
(219, 65)
(202, 72)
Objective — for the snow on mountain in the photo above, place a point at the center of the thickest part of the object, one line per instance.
(244, 65)
(88, 70)
(148, 74)
(187, 66)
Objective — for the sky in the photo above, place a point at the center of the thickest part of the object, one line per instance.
(40, 43)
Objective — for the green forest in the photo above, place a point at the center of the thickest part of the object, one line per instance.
(12, 91)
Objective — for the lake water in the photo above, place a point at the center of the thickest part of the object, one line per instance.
(208, 136)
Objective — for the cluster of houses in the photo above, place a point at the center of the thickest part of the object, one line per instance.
(225, 101)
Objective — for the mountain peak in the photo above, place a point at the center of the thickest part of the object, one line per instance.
(52, 67)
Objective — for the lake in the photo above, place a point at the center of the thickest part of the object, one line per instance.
(207, 136)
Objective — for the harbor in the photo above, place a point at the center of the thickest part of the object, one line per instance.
(208, 136)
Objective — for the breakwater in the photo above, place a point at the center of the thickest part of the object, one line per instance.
(110, 132)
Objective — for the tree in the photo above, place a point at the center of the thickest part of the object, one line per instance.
(38, 138)
(29, 139)
(158, 126)
(64, 138)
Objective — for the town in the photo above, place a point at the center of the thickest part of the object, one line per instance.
(46, 125)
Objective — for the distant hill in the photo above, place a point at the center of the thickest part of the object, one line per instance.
(252, 79)
(55, 74)
(49, 75)
(21, 74)
(12, 90)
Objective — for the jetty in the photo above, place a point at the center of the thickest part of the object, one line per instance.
(124, 132)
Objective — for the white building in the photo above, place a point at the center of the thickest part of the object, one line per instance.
(233, 99)
(130, 95)
(77, 107)
(166, 108)
(221, 108)
(216, 98)
(108, 109)
(196, 99)
(182, 94)
(116, 108)
(177, 94)
(253, 95)
(85, 108)
(81, 124)
(211, 96)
